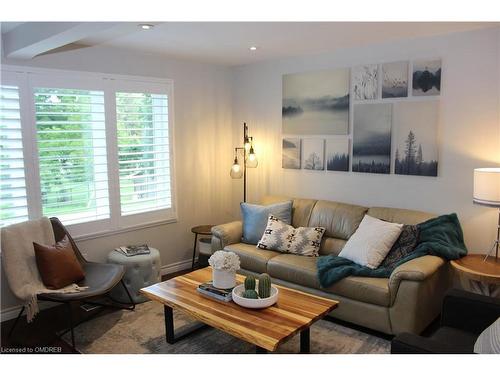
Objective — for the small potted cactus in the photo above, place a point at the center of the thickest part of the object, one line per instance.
(256, 293)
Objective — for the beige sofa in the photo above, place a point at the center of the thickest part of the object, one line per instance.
(408, 301)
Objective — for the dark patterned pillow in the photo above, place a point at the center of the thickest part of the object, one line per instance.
(404, 245)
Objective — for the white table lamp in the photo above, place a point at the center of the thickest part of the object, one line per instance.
(487, 193)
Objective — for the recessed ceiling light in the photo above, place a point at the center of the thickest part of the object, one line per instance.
(146, 26)
(253, 48)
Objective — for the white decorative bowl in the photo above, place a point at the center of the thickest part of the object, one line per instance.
(251, 303)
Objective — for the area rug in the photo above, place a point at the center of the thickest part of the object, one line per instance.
(143, 331)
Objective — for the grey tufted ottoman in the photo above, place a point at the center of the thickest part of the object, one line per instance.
(141, 271)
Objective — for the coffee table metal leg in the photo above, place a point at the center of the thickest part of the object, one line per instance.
(170, 334)
(305, 341)
(259, 350)
(169, 324)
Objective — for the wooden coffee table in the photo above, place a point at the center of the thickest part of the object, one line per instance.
(267, 328)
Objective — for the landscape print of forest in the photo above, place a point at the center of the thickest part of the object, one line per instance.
(337, 154)
(371, 150)
(416, 138)
(316, 103)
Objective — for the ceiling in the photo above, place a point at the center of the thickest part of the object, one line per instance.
(227, 43)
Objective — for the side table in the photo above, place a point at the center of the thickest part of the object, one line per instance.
(483, 275)
(204, 230)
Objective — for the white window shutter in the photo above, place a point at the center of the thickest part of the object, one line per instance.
(143, 152)
(13, 206)
(71, 142)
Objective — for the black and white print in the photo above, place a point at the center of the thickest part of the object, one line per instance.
(337, 154)
(371, 150)
(316, 103)
(313, 150)
(426, 77)
(365, 82)
(395, 80)
(416, 138)
(290, 157)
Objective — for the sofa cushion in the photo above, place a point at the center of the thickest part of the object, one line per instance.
(330, 245)
(251, 258)
(339, 219)
(301, 210)
(294, 268)
(302, 270)
(399, 215)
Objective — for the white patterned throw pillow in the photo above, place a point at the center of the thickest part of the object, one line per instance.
(287, 239)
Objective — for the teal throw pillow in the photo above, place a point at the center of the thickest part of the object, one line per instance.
(255, 218)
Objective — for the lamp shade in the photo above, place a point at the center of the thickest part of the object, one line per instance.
(487, 186)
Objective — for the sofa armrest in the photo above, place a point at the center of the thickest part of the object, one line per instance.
(226, 234)
(469, 311)
(417, 269)
(408, 343)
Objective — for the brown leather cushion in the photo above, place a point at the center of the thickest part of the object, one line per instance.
(57, 264)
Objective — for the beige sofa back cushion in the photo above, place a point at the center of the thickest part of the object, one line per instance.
(301, 209)
(399, 215)
(340, 219)
(331, 245)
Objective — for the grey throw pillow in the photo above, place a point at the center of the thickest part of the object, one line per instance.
(404, 245)
(255, 218)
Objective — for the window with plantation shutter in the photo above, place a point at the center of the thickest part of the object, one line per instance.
(143, 152)
(94, 150)
(71, 143)
(13, 205)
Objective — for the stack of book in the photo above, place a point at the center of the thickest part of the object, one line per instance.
(207, 289)
(132, 250)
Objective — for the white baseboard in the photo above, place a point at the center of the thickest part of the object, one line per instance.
(11, 312)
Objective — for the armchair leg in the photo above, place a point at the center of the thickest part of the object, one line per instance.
(15, 322)
(128, 294)
(70, 316)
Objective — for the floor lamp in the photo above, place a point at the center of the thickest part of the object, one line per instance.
(249, 160)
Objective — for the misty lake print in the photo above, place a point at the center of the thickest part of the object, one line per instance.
(426, 77)
(371, 150)
(316, 103)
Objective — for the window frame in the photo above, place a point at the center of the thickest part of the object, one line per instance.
(27, 79)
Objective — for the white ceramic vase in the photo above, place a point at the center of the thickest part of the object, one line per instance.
(223, 279)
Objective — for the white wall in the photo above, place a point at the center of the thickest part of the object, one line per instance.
(469, 126)
(202, 143)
